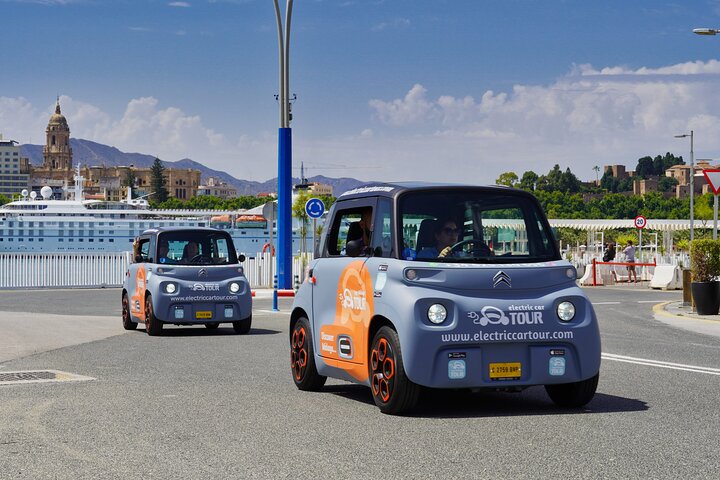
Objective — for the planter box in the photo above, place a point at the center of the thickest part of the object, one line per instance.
(706, 296)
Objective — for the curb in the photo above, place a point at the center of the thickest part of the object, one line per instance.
(662, 309)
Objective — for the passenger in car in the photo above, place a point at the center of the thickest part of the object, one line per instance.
(360, 230)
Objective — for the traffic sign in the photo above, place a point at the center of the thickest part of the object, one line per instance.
(640, 222)
(314, 208)
(712, 175)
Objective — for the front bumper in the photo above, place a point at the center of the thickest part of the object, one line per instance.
(512, 348)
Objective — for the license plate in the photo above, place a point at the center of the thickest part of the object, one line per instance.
(203, 314)
(505, 371)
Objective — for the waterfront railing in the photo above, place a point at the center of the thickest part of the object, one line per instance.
(99, 270)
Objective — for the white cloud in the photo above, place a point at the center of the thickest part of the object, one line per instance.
(396, 23)
(579, 121)
(179, 4)
(589, 117)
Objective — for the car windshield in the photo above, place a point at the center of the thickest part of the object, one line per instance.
(474, 226)
(188, 247)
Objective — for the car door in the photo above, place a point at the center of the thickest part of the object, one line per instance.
(137, 273)
(342, 293)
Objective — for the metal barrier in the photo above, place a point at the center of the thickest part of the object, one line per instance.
(595, 263)
(93, 270)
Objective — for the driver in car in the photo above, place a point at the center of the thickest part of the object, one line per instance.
(190, 251)
(446, 235)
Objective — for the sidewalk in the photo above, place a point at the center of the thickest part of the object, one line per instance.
(677, 315)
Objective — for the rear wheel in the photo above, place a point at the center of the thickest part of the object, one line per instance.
(243, 326)
(573, 395)
(302, 359)
(392, 390)
(212, 326)
(128, 324)
(153, 326)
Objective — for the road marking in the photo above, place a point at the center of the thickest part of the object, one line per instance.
(659, 364)
(606, 303)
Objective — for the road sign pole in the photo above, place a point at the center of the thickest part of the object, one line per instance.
(712, 175)
(314, 246)
(715, 216)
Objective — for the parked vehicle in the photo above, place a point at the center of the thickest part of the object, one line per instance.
(459, 287)
(186, 276)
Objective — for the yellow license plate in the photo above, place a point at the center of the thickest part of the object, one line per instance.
(505, 371)
(203, 314)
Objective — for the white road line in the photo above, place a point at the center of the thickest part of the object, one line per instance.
(606, 303)
(660, 364)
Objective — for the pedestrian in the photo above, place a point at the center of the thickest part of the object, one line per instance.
(630, 258)
(609, 255)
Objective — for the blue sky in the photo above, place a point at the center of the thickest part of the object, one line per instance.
(451, 90)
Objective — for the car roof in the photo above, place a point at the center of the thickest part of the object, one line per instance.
(159, 230)
(393, 189)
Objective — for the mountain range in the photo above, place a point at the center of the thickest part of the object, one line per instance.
(86, 152)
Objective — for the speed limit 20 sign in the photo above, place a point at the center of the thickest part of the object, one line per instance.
(640, 222)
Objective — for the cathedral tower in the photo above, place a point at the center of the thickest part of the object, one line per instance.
(57, 154)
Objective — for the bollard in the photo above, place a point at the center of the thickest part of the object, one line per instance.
(275, 294)
(687, 293)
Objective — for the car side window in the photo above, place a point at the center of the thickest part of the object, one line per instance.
(348, 225)
(142, 250)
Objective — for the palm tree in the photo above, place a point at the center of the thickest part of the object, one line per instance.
(597, 173)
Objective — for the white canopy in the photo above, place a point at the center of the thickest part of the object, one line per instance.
(652, 224)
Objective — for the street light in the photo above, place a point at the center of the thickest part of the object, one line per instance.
(706, 31)
(284, 218)
(692, 182)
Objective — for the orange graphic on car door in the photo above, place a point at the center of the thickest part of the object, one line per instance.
(346, 338)
(137, 300)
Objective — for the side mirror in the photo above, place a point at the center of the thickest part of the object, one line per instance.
(241, 257)
(138, 258)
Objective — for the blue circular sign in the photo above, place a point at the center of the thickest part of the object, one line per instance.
(314, 208)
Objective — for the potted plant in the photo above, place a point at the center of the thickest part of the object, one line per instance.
(705, 267)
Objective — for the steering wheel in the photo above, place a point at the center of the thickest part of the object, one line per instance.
(201, 259)
(479, 249)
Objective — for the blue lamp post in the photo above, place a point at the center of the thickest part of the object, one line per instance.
(284, 218)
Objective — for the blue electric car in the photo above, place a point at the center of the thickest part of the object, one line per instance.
(425, 285)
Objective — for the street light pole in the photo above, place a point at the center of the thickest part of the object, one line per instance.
(284, 218)
(692, 181)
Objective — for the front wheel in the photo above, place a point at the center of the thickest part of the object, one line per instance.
(573, 395)
(243, 326)
(302, 359)
(392, 390)
(128, 324)
(153, 326)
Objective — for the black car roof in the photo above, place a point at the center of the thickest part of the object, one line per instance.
(158, 230)
(393, 189)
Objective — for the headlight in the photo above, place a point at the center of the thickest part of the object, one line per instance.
(170, 288)
(437, 313)
(234, 287)
(571, 273)
(566, 311)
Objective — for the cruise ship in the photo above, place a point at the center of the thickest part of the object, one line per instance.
(42, 224)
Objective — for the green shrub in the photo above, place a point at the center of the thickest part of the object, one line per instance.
(705, 260)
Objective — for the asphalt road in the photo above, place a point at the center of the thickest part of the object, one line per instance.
(197, 403)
